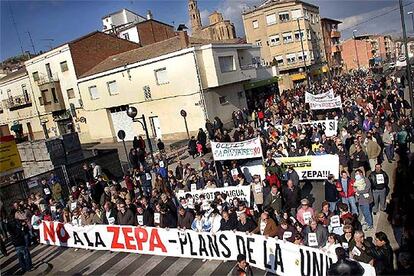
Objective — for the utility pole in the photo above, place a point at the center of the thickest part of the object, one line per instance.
(303, 54)
(407, 59)
(31, 42)
(356, 48)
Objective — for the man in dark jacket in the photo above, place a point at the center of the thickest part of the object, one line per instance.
(145, 215)
(345, 266)
(18, 240)
(382, 254)
(245, 224)
(379, 181)
(202, 139)
(210, 129)
(125, 215)
(192, 147)
(109, 216)
(242, 268)
(331, 193)
(228, 221)
(291, 196)
(274, 201)
(185, 218)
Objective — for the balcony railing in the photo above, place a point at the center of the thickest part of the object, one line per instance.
(47, 79)
(15, 102)
(249, 66)
(335, 34)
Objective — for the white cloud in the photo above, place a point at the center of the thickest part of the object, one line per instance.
(232, 10)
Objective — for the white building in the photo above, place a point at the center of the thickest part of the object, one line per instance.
(118, 19)
(162, 79)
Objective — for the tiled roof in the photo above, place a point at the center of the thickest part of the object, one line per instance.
(140, 54)
(14, 75)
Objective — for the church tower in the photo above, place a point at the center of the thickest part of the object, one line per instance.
(194, 16)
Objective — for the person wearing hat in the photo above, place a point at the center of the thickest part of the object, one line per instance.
(242, 268)
(305, 212)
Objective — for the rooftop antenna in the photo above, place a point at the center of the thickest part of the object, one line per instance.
(49, 42)
(31, 42)
(15, 26)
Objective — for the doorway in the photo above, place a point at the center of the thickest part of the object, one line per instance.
(30, 131)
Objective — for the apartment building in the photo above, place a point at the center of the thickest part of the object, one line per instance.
(43, 98)
(367, 51)
(162, 79)
(282, 29)
(333, 47)
(122, 18)
(399, 48)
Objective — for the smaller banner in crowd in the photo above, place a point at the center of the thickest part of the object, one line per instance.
(319, 97)
(329, 126)
(237, 150)
(326, 104)
(241, 192)
(277, 256)
(312, 166)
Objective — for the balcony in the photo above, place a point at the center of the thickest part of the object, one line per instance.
(52, 97)
(17, 102)
(47, 80)
(335, 34)
(336, 48)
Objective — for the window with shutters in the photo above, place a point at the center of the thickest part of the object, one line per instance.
(258, 42)
(112, 88)
(255, 24)
(287, 37)
(279, 60)
(299, 35)
(147, 93)
(274, 40)
(290, 58)
(93, 92)
(64, 66)
(271, 19)
(161, 76)
(227, 64)
(300, 55)
(283, 16)
(296, 14)
(71, 93)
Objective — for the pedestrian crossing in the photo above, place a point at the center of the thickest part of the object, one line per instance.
(53, 260)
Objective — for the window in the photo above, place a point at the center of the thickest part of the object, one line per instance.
(93, 91)
(161, 76)
(258, 42)
(112, 87)
(55, 99)
(271, 19)
(300, 55)
(25, 93)
(309, 34)
(36, 76)
(255, 24)
(296, 14)
(299, 35)
(9, 95)
(283, 16)
(227, 64)
(274, 40)
(71, 93)
(279, 60)
(64, 66)
(317, 18)
(291, 58)
(41, 102)
(223, 100)
(312, 18)
(147, 93)
(287, 37)
(125, 36)
(44, 97)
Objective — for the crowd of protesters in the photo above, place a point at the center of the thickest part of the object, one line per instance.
(372, 123)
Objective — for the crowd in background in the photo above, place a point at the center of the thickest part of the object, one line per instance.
(372, 124)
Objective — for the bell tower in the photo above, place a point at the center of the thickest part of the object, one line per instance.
(194, 14)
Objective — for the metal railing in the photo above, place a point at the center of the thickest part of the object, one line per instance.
(47, 79)
(19, 100)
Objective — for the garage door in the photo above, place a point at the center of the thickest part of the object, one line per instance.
(120, 120)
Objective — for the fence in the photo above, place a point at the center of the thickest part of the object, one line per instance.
(69, 175)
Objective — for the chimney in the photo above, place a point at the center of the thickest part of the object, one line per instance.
(149, 15)
(183, 39)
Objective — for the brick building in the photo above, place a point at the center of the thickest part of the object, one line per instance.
(367, 51)
(333, 47)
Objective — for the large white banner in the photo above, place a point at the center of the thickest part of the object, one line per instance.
(241, 192)
(276, 256)
(312, 166)
(237, 150)
(329, 126)
(319, 97)
(326, 104)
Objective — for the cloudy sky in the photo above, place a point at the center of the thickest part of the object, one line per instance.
(54, 22)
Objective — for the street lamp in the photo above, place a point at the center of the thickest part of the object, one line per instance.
(356, 48)
(412, 18)
(303, 52)
(132, 112)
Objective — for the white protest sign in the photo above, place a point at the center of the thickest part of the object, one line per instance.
(237, 150)
(73, 206)
(319, 97)
(380, 178)
(241, 192)
(335, 222)
(329, 126)
(287, 235)
(157, 218)
(193, 187)
(312, 240)
(47, 191)
(276, 256)
(326, 104)
(140, 219)
(306, 217)
(312, 166)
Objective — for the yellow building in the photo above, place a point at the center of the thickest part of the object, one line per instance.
(218, 28)
(277, 27)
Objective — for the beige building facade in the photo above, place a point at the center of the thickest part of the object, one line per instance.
(205, 81)
(277, 27)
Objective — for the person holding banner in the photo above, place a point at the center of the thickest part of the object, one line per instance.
(266, 226)
(305, 213)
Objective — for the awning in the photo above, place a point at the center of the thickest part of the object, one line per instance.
(298, 76)
(251, 85)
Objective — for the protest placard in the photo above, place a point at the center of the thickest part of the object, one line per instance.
(319, 97)
(326, 104)
(237, 150)
(312, 166)
(241, 192)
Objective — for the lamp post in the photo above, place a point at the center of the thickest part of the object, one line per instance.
(303, 52)
(412, 18)
(356, 48)
(132, 113)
